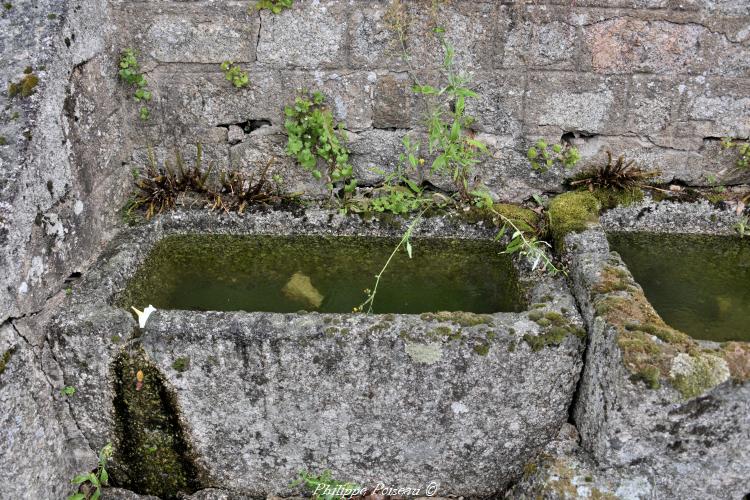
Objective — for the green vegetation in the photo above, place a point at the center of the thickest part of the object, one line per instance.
(130, 73)
(181, 364)
(544, 156)
(572, 212)
(68, 390)
(325, 487)
(406, 243)
(234, 74)
(3, 141)
(615, 183)
(447, 122)
(5, 359)
(275, 6)
(152, 455)
(315, 138)
(25, 87)
(743, 151)
(90, 484)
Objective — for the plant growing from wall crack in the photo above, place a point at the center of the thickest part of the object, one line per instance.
(530, 248)
(544, 156)
(90, 484)
(130, 73)
(234, 74)
(743, 151)
(275, 6)
(314, 138)
(447, 124)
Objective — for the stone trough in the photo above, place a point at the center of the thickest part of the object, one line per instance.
(660, 414)
(243, 401)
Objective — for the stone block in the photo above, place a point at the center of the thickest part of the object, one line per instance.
(188, 33)
(310, 35)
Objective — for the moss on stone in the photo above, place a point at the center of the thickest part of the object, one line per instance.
(649, 374)
(24, 87)
(652, 350)
(572, 212)
(524, 219)
(181, 364)
(482, 349)
(535, 315)
(5, 359)
(442, 331)
(3, 140)
(539, 342)
(460, 318)
(543, 322)
(152, 455)
(611, 198)
(694, 375)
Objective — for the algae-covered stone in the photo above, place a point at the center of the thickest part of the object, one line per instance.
(299, 288)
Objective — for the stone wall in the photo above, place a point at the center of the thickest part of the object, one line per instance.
(658, 80)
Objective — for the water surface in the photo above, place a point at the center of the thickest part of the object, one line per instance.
(326, 274)
(698, 284)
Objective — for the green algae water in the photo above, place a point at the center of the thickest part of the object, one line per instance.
(325, 274)
(698, 284)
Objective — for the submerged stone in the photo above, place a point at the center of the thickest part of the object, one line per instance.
(300, 289)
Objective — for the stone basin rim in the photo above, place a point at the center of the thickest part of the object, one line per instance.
(108, 277)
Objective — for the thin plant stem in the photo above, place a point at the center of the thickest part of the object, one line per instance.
(370, 301)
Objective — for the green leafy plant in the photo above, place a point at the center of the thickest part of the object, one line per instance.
(275, 6)
(399, 193)
(130, 73)
(325, 487)
(314, 138)
(90, 484)
(447, 123)
(68, 390)
(528, 246)
(544, 156)
(619, 175)
(743, 151)
(233, 73)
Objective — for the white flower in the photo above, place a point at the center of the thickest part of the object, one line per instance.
(143, 315)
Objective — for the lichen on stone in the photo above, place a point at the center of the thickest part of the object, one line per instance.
(427, 354)
(693, 375)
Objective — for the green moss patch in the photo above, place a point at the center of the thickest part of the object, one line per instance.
(556, 328)
(611, 198)
(572, 212)
(5, 359)
(181, 364)
(152, 454)
(653, 351)
(459, 318)
(25, 87)
(523, 218)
